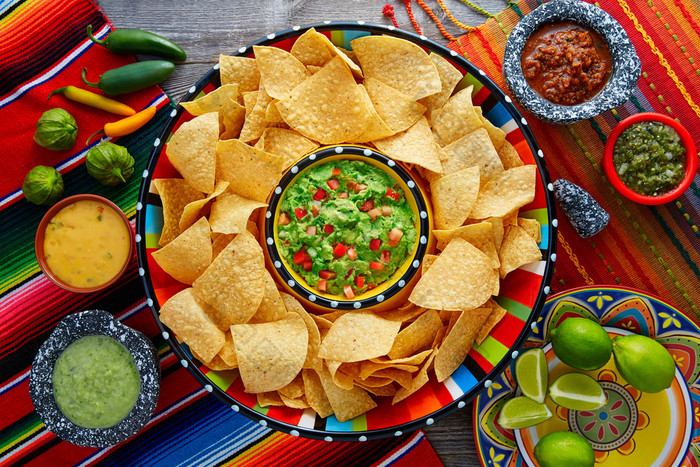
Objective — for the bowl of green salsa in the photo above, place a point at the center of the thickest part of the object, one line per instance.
(95, 382)
(650, 158)
(347, 229)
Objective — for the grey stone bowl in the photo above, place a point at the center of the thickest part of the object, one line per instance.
(625, 72)
(70, 329)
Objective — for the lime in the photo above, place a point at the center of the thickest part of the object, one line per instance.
(577, 391)
(521, 412)
(644, 363)
(532, 374)
(564, 448)
(581, 343)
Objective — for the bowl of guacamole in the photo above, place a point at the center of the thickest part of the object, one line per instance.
(95, 382)
(347, 228)
(650, 158)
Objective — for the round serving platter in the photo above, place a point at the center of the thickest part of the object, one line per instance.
(523, 292)
(633, 428)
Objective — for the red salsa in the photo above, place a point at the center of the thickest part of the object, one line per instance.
(566, 63)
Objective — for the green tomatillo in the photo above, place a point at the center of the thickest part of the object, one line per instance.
(56, 130)
(43, 185)
(109, 164)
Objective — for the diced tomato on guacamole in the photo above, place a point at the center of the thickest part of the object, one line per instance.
(361, 230)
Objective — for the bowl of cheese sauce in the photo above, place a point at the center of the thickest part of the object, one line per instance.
(84, 243)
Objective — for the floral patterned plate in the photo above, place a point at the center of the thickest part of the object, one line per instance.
(634, 428)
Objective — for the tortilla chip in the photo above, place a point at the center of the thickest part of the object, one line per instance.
(346, 404)
(505, 192)
(188, 255)
(377, 128)
(449, 77)
(315, 394)
(428, 261)
(382, 391)
(420, 380)
(369, 368)
(280, 71)
(175, 194)
(269, 399)
(348, 57)
(327, 107)
(480, 235)
(398, 63)
(387, 375)
(215, 101)
(216, 363)
(249, 101)
(192, 150)
(295, 389)
(233, 116)
(460, 279)
(219, 242)
(498, 230)
(403, 314)
(459, 342)
(271, 307)
(272, 115)
(311, 49)
(196, 209)
(234, 283)
(454, 196)
(497, 136)
(414, 146)
(358, 336)
(250, 172)
(230, 213)
(298, 403)
(239, 70)
(293, 306)
(509, 156)
(532, 227)
(188, 317)
(413, 360)
(340, 378)
(313, 69)
(270, 355)
(288, 144)
(396, 109)
(457, 118)
(321, 322)
(518, 248)
(496, 315)
(228, 351)
(473, 149)
(417, 336)
(255, 122)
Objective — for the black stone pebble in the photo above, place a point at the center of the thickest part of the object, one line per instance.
(584, 212)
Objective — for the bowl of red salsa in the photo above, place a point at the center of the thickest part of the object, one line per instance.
(568, 61)
(347, 229)
(650, 158)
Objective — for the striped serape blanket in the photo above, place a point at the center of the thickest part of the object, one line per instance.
(43, 47)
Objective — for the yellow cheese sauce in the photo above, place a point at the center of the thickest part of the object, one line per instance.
(86, 244)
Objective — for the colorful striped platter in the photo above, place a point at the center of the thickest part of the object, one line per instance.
(523, 292)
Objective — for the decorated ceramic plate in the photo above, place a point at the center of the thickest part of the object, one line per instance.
(633, 428)
(522, 293)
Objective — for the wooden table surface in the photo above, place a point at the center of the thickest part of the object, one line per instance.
(206, 28)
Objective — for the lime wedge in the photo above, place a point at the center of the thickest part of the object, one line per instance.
(522, 412)
(531, 373)
(577, 391)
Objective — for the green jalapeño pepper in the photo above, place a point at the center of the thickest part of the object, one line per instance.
(130, 78)
(137, 41)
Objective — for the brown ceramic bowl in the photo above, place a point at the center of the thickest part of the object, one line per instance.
(41, 231)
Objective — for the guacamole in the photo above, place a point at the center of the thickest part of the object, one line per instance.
(649, 158)
(96, 382)
(345, 227)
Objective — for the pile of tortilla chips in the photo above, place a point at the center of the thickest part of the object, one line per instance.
(269, 112)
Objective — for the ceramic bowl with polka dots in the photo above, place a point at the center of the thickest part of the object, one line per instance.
(522, 293)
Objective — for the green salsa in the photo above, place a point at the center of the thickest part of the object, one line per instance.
(345, 227)
(649, 158)
(96, 382)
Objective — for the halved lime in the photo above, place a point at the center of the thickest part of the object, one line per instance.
(577, 391)
(532, 373)
(522, 412)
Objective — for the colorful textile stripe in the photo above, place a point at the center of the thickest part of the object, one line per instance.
(655, 248)
(519, 291)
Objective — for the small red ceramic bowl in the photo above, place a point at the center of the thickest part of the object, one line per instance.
(691, 159)
(39, 243)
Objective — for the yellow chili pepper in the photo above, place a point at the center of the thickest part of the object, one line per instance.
(94, 100)
(126, 125)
